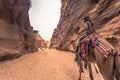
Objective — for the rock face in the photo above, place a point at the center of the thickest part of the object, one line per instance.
(105, 15)
(39, 41)
(16, 34)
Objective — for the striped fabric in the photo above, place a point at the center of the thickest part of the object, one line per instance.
(102, 45)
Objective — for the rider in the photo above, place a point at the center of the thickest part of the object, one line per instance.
(88, 29)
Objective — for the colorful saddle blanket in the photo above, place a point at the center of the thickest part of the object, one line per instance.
(95, 41)
(102, 45)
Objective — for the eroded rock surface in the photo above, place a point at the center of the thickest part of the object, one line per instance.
(16, 34)
(104, 13)
(39, 41)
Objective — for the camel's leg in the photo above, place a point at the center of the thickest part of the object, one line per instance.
(90, 71)
(79, 74)
(117, 76)
(80, 69)
(80, 64)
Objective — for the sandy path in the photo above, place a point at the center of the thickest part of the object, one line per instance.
(48, 65)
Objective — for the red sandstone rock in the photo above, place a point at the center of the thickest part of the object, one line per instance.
(39, 41)
(104, 13)
(16, 34)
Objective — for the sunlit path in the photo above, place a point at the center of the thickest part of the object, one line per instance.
(43, 65)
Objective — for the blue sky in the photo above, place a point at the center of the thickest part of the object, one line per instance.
(44, 16)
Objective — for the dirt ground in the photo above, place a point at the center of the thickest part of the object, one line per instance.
(49, 64)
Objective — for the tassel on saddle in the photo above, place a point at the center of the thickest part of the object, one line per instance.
(104, 47)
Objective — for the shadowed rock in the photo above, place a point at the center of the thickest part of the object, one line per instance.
(16, 33)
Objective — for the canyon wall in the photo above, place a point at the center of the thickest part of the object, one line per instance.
(105, 15)
(16, 33)
(39, 41)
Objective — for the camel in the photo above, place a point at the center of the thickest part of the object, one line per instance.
(110, 68)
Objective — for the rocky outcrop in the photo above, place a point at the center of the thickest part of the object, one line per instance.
(104, 13)
(16, 34)
(39, 41)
